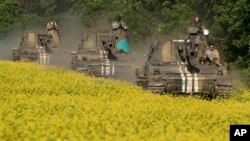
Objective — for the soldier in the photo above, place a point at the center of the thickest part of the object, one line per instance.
(52, 25)
(119, 24)
(212, 54)
(53, 30)
(120, 31)
(200, 40)
(197, 23)
(120, 28)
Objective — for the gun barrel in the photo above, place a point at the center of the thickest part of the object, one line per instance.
(191, 53)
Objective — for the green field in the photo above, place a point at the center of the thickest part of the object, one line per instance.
(41, 103)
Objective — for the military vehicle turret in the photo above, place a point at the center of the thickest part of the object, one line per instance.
(102, 55)
(178, 67)
(34, 47)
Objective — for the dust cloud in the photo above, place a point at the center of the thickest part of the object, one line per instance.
(7, 43)
(71, 33)
(237, 80)
(139, 54)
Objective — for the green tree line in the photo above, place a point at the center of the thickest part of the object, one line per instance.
(227, 20)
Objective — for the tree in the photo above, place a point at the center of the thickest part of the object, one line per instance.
(233, 16)
(9, 15)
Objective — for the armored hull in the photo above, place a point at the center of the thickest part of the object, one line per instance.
(34, 47)
(98, 55)
(174, 67)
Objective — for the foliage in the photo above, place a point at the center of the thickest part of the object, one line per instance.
(40, 103)
(9, 16)
(138, 18)
(178, 17)
(143, 17)
(26, 13)
(233, 16)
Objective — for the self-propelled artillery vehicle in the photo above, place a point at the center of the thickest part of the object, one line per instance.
(34, 47)
(179, 67)
(102, 54)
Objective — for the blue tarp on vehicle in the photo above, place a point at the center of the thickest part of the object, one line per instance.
(124, 46)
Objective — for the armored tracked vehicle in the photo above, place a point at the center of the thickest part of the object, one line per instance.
(103, 55)
(178, 67)
(34, 47)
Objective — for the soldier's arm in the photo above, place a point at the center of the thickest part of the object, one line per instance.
(56, 27)
(124, 25)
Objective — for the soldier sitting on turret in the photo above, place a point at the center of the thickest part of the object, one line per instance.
(212, 54)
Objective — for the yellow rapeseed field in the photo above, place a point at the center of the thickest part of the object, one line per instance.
(41, 103)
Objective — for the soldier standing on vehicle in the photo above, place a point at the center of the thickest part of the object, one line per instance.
(197, 23)
(52, 26)
(212, 54)
(53, 30)
(118, 24)
(120, 28)
(200, 35)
